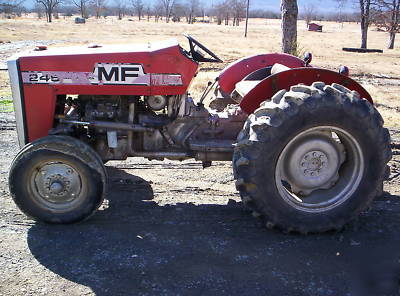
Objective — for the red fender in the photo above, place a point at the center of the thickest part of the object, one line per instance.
(236, 71)
(284, 80)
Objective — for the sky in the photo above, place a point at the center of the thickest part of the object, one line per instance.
(273, 5)
(321, 6)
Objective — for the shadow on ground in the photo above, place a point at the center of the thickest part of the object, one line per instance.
(136, 247)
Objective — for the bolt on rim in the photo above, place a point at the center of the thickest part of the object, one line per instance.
(319, 169)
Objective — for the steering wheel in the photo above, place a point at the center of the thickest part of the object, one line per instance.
(197, 56)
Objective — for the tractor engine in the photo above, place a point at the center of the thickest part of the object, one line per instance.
(155, 127)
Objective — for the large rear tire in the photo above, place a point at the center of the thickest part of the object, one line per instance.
(58, 179)
(311, 159)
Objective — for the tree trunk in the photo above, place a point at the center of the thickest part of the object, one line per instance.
(364, 33)
(392, 37)
(364, 14)
(289, 12)
(49, 16)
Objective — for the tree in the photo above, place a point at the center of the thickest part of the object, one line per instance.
(365, 21)
(167, 5)
(365, 9)
(309, 13)
(388, 18)
(11, 7)
(238, 10)
(98, 6)
(82, 7)
(178, 12)
(227, 10)
(158, 9)
(340, 8)
(120, 6)
(289, 11)
(49, 6)
(67, 10)
(138, 6)
(219, 11)
(223, 11)
(147, 11)
(39, 10)
(193, 6)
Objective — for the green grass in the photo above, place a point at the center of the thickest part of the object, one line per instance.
(6, 102)
(6, 105)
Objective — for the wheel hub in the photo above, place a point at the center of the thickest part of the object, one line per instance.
(312, 163)
(56, 188)
(57, 182)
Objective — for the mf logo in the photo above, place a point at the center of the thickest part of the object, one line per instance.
(105, 73)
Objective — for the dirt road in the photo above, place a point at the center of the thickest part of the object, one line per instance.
(173, 228)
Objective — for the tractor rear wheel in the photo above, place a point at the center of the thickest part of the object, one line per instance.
(58, 179)
(311, 159)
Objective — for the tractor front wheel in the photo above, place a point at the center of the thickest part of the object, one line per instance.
(311, 159)
(57, 179)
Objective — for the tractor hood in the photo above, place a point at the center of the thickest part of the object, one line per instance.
(160, 63)
(41, 51)
(116, 62)
(38, 77)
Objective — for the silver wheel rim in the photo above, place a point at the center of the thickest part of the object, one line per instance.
(319, 169)
(56, 185)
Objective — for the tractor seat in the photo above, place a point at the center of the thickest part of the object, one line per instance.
(244, 86)
(278, 68)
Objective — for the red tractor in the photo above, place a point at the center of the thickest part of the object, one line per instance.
(308, 147)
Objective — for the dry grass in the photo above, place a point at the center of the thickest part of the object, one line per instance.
(227, 41)
(5, 91)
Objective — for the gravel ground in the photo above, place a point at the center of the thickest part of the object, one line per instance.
(171, 228)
